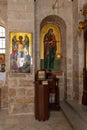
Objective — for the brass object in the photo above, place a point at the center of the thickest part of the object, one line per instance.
(83, 24)
(58, 56)
(85, 9)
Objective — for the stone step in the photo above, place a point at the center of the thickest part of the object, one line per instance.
(80, 109)
(74, 116)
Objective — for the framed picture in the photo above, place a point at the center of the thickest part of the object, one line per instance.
(20, 52)
(41, 75)
(2, 62)
(50, 60)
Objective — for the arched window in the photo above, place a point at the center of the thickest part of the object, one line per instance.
(2, 40)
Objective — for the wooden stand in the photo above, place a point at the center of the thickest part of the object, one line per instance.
(53, 91)
(46, 95)
(84, 97)
(0, 97)
(41, 101)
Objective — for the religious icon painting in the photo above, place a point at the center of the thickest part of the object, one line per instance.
(20, 52)
(2, 62)
(41, 74)
(50, 47)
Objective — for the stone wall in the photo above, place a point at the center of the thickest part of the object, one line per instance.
(20, 85)
(20, 93)
(4, 96)
(62, 11)
(75, 53)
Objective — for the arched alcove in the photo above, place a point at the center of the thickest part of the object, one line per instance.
(59, 22)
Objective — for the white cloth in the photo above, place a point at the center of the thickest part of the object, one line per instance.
(3, 77)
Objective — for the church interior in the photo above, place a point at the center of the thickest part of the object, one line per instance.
(43, 64)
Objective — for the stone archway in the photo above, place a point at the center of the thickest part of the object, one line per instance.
(54, 19)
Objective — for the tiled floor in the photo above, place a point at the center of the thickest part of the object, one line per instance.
(57, 121)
